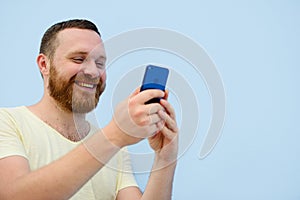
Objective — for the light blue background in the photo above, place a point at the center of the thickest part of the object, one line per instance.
(255, 46)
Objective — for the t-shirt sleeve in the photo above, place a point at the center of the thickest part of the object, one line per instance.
(10, 136)
(126, 177)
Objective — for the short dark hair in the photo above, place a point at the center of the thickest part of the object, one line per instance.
(49, 42)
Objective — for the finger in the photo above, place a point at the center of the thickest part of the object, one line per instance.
(154, 118)
(160, 125)
(166, 94)
(170, 122)
(168, 133)
(168, 108)
(153, 108)
(149, 120)
(146, 95)
(153, 129)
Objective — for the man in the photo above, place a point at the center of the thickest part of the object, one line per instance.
(49, 151)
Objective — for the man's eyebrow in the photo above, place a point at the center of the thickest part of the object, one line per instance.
(85, 53)
(78, 53)
(102, 57)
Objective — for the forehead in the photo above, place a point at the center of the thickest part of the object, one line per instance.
(79, 40)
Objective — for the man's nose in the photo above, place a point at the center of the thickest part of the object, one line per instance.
(90, 69)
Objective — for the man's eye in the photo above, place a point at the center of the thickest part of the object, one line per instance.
(78, 60)
(100, 65)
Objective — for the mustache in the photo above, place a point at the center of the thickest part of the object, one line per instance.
(86, 79)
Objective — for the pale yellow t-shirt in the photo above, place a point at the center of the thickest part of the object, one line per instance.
(24, 134)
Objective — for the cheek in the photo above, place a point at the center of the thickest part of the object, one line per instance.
(70, 72)
(67, 68)
(103, 76)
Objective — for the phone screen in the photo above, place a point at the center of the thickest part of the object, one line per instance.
(155, 77)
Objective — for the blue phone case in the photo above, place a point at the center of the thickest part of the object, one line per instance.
(155, 77)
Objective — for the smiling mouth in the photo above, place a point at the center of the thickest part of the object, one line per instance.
(86, 85)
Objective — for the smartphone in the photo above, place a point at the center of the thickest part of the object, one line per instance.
(155, 77)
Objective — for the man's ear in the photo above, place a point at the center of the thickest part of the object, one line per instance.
(43, 64)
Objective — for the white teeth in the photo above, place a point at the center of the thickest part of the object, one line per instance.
(86, 85)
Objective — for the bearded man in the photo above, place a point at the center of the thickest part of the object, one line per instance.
(49, 150)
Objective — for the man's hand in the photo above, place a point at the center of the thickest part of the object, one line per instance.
(134, 120)
(156, 121)
(165, 142)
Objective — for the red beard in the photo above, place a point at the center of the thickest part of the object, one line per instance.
(62, 91)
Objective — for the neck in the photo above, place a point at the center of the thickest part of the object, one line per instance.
(71, 125)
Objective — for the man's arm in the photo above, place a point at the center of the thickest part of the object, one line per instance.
(58, 180)
(62, 178)
(165, 144)
(159, 186)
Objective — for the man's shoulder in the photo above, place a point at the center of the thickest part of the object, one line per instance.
(17, 109)
(13, 112)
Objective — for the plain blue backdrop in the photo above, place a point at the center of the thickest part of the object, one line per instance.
(255, 46)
